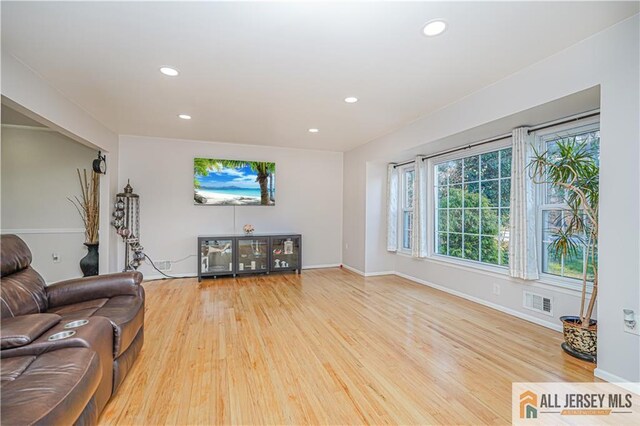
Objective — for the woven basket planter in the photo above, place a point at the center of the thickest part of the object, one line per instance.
(583, 340)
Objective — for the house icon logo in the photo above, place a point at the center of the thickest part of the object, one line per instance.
(528, 405)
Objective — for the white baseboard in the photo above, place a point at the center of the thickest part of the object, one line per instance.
(367, 274)
(378, 274)
(513, 312)
(330, 265)
(352, 269)
(617, 380)
(162, 277)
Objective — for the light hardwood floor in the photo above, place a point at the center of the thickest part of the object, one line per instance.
(329, 347)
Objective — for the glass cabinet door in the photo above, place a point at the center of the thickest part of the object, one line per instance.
(285, 253)
(216, 256)
(253, 254)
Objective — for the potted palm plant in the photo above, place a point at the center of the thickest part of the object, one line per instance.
(573, 170)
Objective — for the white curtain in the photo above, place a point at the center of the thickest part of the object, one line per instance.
(393, 187)
(419, 234)
(523, 262)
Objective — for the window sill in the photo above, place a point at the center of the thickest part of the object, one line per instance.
(553, 283)
(471, 265)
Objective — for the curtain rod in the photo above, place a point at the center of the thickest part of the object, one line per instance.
(508, 135)
(565, 120)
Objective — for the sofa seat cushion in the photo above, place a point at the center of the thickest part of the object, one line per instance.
(79, 310)
(126, 314)
(52, 388)
(12, 368)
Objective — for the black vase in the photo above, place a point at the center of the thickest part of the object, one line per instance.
(89, 263)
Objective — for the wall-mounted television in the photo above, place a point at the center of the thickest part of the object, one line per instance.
(218, 182)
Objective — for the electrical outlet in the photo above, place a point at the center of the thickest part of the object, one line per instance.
(631, 322)
(496, 289)
(346, 246)
(55, 257)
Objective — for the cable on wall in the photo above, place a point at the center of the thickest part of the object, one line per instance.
(156, 268)
(149, 261)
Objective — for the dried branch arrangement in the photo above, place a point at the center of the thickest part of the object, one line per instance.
(88, 205)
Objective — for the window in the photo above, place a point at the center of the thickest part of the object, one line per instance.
(552, 208)
(406, 216)
(472, 196)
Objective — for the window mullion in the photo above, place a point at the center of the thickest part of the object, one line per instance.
(480, 208)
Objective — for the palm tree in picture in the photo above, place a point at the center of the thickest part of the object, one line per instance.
(201, 167)
(263, 170)
(271, 187)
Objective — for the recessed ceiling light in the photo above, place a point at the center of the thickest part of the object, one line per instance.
(184, 116)
(351, 100)
(434, 28)
(171, 72)
(313, 130)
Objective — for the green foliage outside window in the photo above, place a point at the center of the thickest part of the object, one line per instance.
(472, 207)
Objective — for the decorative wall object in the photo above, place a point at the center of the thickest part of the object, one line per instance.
(127, 223)
(233, 182)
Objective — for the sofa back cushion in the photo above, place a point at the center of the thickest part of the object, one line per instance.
(21, 288)
(16, 255)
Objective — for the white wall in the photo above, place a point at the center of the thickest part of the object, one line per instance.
(25, 91)
(354, 220)
(308, 198)
(38, 174)
(377, 261)
(609, 59)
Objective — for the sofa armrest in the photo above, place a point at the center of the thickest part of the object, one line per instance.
(89, 288)
(24, 329)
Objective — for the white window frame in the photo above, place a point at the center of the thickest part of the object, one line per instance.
(431, 202)
(541, 139)
(403, 206)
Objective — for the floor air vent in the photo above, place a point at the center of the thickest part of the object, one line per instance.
(537, 302)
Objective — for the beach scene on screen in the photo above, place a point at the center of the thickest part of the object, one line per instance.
(220, 182)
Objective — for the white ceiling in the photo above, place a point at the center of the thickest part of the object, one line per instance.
(263, 73)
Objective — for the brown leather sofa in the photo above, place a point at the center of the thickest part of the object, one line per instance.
(70, 380)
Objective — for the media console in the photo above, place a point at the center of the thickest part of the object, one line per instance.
(220, 255)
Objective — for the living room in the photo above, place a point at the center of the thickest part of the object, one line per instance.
(318, 213)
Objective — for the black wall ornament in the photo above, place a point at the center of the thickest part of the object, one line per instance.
(100, 164)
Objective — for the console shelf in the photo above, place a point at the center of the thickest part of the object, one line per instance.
(220, 255)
